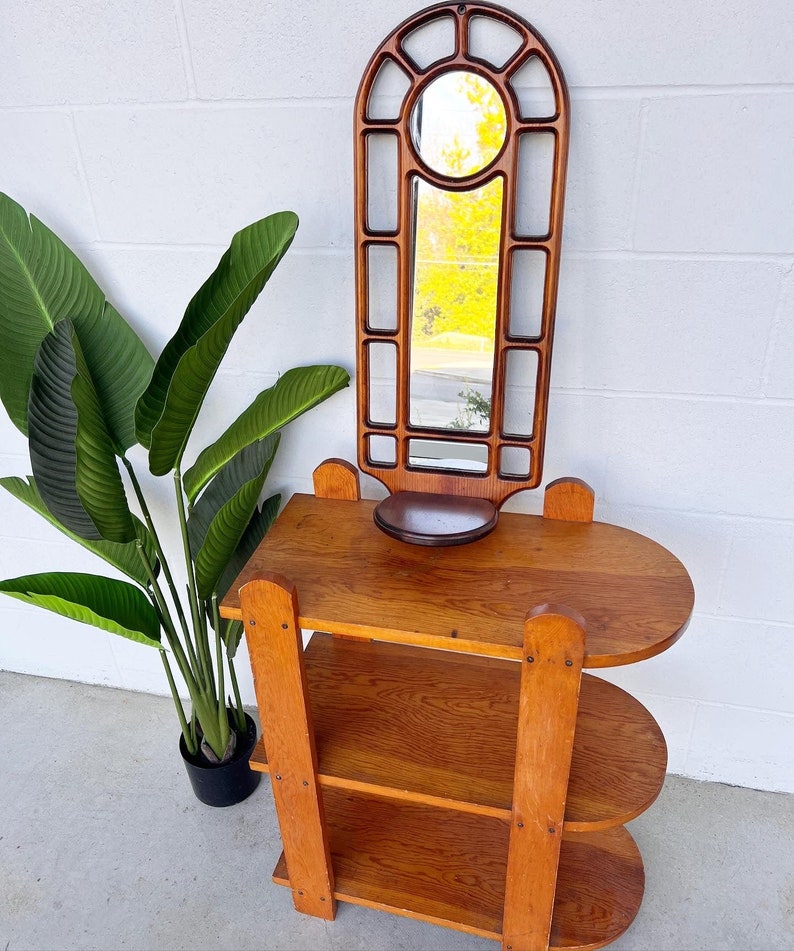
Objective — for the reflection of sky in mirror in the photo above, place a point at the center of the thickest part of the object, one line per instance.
(449, 121)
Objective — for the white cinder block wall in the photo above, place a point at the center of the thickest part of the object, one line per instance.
(146, 133)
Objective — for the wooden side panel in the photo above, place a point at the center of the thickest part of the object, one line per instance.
(569, 500)
(337, 479)
(270, 613)
(551, 674)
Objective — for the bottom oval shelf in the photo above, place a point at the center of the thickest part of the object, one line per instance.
(600, 884)
(449, 868)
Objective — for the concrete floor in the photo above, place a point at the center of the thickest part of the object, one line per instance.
(103, 846)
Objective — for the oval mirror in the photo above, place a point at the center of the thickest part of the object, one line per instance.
(458, 124)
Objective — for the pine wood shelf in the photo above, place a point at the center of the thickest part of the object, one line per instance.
(382, 712)
(449, 868)
(440, 753)
(635, 597)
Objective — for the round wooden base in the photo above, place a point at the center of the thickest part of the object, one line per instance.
(421, 518)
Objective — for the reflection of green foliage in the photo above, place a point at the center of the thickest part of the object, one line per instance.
(458, 236)
(477, 408)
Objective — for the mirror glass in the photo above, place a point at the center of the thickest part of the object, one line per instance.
(453, 314)
(458, 124)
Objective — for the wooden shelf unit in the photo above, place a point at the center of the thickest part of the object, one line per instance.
(382, 712)
(449, 868)
(481, 784)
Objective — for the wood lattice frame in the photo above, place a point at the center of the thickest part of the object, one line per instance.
(401, 476)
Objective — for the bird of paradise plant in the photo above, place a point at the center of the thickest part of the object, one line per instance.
(80, 384)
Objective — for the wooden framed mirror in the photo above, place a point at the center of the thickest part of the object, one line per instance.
(461, 141)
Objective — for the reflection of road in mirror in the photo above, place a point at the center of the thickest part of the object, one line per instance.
(451, 383)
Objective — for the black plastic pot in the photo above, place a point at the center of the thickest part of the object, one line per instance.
(224, 784)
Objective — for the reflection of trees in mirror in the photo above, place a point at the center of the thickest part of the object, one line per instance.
(476, 410)
(456, 266)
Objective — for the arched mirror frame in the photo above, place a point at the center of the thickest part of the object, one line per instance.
(401, 476)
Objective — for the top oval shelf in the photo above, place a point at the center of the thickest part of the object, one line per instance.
(636, 597)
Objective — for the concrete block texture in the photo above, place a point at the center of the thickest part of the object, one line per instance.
(718, 456)
(151, 286)
(90, 51)
(601, 163)
(40, 169)
(755, 743)
(146, 134)
(722, 661)
(715, 174)
(757, 580)
(780, 379)
(665, 326)
(195, 175)
(239, 51)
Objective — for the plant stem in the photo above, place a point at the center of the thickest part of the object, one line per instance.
(161, 555)
(223, 719)
(187, 733)
(168, 625)
(239, 716)
(199, 627)
(238, 708)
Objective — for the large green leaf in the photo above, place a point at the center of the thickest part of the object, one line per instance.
(71, 453)
(168, 408)
(293, 394)
(41, 282)
(122, 556)
(111, 605)
(222, 514)
(257, 528)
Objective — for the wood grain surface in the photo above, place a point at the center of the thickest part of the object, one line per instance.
(450, 869)
(276, 651)
(570, 500)
(337, 479)
(548, 699)
(440, 728)
(634, 595)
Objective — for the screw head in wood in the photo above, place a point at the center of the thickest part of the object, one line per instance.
(569, 663)
(520, 825)
(252, 622)
(285, 626)
(551, 830)
(530, 660)
(305, 782)
(278, 776)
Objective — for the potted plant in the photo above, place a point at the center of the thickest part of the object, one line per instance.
(78, 381)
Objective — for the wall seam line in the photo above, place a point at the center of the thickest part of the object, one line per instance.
(83, 173)
(185, 49)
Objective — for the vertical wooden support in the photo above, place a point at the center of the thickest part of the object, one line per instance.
(337, 479)
(569, 500)
(270, 614)
(554, 639)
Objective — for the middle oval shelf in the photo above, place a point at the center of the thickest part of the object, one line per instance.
(439, 728)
